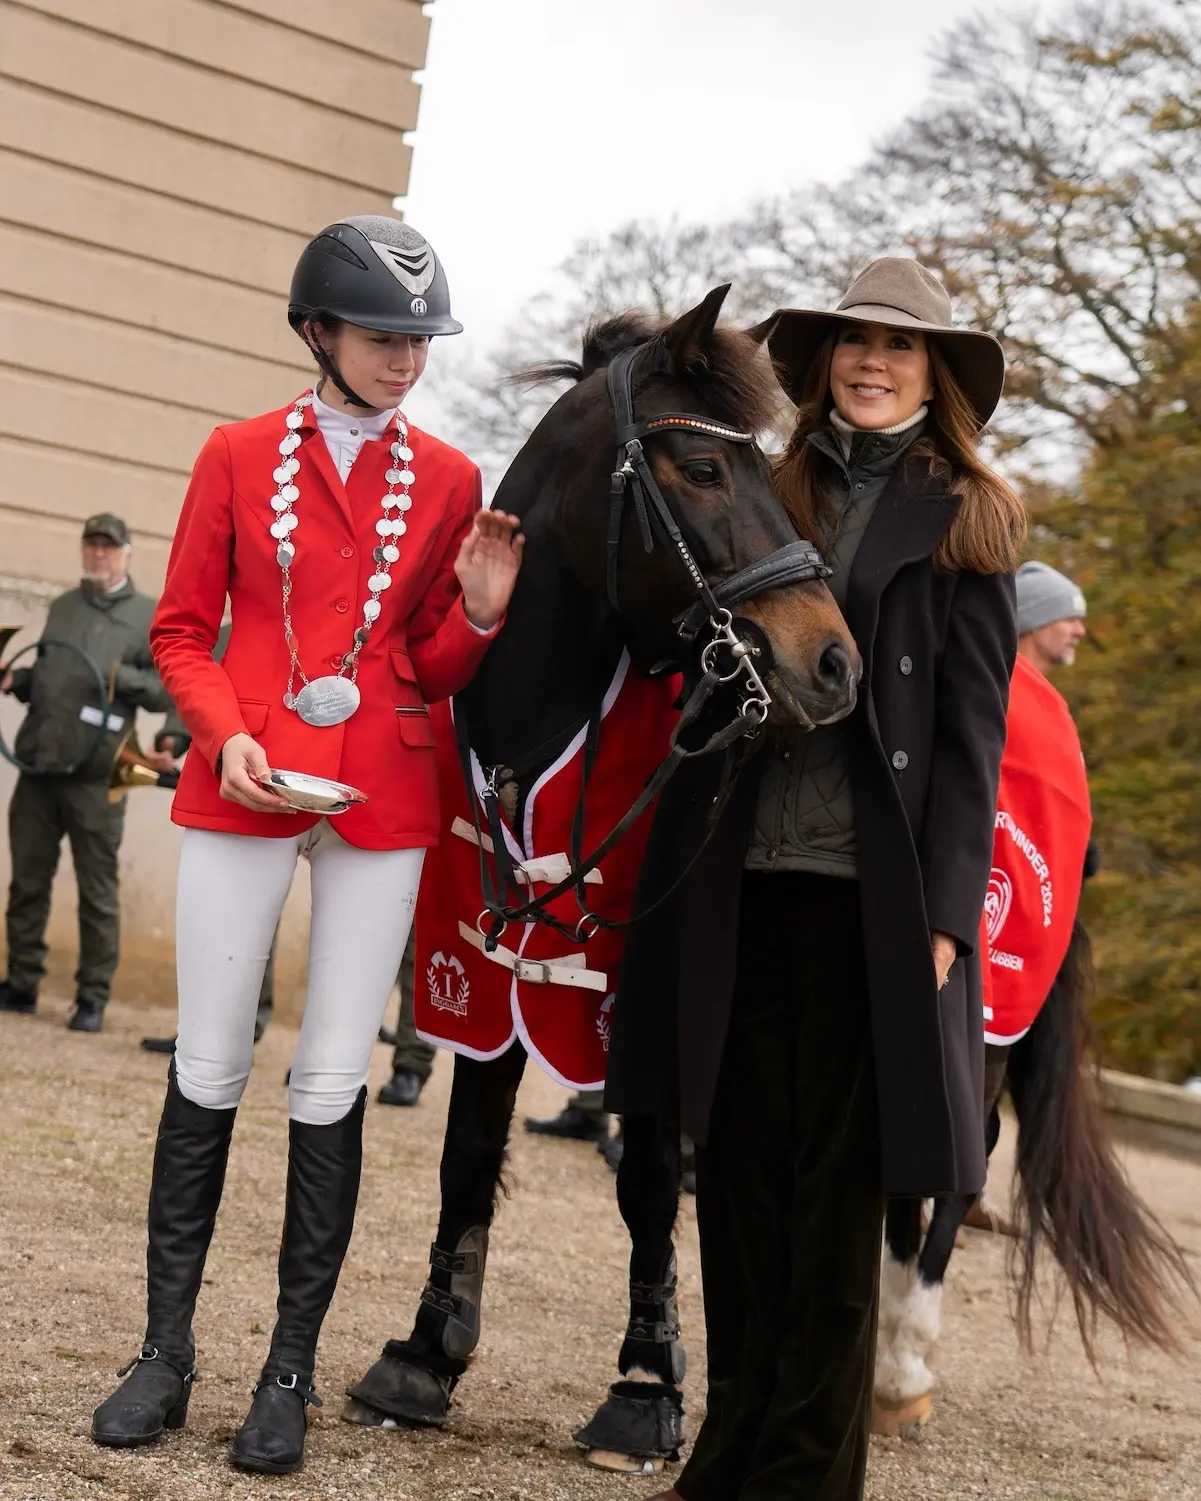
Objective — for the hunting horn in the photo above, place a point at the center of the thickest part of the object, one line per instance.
(130, 768)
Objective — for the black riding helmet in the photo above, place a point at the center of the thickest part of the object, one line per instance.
(374, 272)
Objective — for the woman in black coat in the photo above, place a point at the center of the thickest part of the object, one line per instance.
(810, 1001)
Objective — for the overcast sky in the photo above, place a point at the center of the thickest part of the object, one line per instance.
(543, 121)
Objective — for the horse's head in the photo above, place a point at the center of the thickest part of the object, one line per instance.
(717, 487)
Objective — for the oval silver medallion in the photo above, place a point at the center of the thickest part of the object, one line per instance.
(327, 701)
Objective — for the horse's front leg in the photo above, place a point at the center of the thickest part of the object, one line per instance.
(638, 1426)
(412, 1381)
(911, 1311)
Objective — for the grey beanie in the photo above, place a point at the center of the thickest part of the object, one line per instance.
(1044, 596)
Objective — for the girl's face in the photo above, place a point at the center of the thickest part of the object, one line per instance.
(879, 376)
(382, 368)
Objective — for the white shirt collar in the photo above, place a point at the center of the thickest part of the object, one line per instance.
(346, 432)
(334, 419)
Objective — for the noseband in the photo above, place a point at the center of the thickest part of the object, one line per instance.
(798, 562)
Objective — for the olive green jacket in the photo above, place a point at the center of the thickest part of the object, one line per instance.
(66, 705)
(806, 814)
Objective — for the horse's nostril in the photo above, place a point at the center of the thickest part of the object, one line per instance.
(834, 666)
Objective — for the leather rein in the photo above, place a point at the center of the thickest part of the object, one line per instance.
(728, 656)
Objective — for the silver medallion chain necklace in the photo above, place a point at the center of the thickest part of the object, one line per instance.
(333, 699)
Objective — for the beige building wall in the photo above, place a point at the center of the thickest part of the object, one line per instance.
(162, 162)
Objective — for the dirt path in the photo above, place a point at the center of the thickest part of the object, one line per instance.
(77, 1120)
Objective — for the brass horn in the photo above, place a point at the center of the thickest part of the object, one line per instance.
(130, 768)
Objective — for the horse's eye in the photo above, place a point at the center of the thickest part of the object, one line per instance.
(703, 472)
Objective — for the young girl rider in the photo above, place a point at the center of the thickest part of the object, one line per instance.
(364, 581)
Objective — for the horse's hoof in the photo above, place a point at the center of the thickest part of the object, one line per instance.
(982, 1216)
(394, 1389)
(624, 1464)
(638, 1421)
(354, 1411)
(905, 1419)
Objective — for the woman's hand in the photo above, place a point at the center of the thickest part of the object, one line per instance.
(946, 951)
(487, 566)
(242, 762)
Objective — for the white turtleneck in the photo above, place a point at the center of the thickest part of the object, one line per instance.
(845, 432)
(346, 432)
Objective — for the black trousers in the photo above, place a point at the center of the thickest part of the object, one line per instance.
(790, 1206)
(42, 811)
(410, 1051)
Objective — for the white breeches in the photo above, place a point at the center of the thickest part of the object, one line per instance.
(231, 891)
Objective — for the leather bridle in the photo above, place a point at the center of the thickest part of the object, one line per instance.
(727, 657)
(797, 562)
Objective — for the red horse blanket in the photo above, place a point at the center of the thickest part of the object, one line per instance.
(1042, 829)
(553, 993)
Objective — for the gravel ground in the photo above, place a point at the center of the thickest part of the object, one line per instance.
(77, 1119)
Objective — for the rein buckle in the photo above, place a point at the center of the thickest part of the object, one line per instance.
(535, 971)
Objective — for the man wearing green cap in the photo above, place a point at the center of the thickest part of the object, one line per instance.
(63, 786)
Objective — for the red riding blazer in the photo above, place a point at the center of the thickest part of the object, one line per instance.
(423, 648)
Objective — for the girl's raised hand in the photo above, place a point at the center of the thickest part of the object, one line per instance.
(487, 566)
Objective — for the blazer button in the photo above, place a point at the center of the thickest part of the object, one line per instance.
(906, 665)
(341, 605)
(900, 760)
(348, 552)
(335, 661)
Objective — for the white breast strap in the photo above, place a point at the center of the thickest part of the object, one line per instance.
(539, 971)
(549, 868)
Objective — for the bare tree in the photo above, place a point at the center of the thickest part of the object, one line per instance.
(1053, 179)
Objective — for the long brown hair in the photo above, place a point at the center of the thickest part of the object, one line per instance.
(989, 529)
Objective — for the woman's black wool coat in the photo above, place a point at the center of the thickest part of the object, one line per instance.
(927, 735)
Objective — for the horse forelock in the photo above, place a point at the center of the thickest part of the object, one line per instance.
(729, 377)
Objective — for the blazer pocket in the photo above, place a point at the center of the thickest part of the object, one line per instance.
(254, 714)
(402, 665)
(416, 727)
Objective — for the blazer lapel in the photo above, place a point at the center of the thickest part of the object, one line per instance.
(315, 448)
(910, 520)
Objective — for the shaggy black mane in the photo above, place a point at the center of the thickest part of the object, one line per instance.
(732, 381)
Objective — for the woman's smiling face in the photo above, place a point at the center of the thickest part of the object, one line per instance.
(879, 375)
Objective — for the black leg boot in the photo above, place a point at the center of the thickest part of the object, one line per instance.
(324, 1164)
(185, 1190)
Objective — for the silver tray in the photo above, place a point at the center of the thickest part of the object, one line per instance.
(313, 794)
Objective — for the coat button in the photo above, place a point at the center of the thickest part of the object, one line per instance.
(906, 665)
(900, 760)
(335, 661)
(348, 552)
(341, 605)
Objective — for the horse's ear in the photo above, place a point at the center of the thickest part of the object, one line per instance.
(761, 332)
(688, 339)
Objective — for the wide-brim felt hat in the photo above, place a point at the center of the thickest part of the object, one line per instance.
(900, 293)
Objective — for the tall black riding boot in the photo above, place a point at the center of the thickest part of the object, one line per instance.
(185, 1190)
(324, 1164)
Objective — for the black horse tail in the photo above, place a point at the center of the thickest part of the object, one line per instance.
(1073, 1194)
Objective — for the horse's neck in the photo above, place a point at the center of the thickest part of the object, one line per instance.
(547, 670)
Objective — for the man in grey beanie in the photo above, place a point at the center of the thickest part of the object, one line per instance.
(1051, 610)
